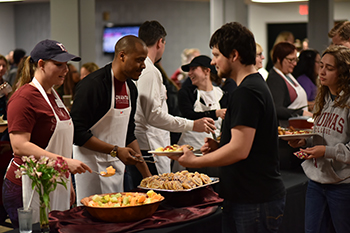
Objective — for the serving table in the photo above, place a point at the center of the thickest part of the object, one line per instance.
(196, 210)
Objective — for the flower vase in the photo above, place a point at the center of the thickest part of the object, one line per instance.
(44, 218)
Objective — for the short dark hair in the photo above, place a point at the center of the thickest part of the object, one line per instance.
(151, 31)
(234, 36)
(281, 51)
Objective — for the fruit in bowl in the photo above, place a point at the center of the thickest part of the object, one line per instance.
(122, 207)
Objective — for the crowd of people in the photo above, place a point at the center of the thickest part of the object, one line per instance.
(230, 108)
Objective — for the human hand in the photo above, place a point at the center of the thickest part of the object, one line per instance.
(76, 166)
(307, 113)
(221, 113)
(314, 152)
(296, 143)
(204, 124)
(209, 146)
(188, 159)
(128, 156)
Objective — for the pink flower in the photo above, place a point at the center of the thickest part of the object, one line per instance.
(18, 173)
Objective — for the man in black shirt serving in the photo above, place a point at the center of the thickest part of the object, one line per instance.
(251, 184)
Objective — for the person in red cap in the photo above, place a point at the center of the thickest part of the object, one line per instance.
(40, 125)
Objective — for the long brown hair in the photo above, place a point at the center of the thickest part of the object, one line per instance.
(27, 72)
(341, 56)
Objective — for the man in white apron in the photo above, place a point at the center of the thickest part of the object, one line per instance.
(153, 122)
(103, 111)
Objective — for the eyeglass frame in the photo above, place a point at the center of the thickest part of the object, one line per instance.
(291, 60)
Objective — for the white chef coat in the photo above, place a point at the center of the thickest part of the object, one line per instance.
(153, 123)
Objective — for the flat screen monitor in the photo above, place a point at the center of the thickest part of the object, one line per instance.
(113, 33)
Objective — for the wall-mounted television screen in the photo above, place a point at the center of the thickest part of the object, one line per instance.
(113, 33)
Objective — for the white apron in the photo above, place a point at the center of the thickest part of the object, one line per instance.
(196, 139)
(60, 143)
(111, 128)
(301, 100)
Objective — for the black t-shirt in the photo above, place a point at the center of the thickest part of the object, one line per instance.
(256, 179)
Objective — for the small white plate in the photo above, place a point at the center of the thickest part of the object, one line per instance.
(288, 137)
(166, 153)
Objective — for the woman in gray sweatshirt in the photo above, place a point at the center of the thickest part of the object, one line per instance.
(327, 164)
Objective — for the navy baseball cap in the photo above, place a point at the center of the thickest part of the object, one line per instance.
(201, 60)
(52, 50)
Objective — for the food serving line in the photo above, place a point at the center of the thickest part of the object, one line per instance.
(195, 208)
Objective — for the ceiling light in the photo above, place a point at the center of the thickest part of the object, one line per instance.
(11, 1)
(277, 1)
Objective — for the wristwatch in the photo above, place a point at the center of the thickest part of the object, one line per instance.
(114, 152)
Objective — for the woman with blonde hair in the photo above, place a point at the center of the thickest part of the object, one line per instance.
(259, 61)
(87, 68)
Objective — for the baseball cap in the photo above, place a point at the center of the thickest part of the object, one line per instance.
(200, 60)
(52, 50)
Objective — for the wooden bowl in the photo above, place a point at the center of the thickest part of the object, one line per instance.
(120, 214)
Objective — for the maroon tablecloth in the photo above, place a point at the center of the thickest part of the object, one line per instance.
(176, 208)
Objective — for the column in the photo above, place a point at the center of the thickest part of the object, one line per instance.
(320, 23)
(73, 24)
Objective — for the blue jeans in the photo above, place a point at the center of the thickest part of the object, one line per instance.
(327, 205)
(252, 218)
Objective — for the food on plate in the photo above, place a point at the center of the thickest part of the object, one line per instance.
(291, 130)
(173, 148)
(176, 181)
(124, 199)
(301, 154)
(110, 171)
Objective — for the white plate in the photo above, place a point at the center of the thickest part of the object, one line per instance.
(288, 137)
(214, 180)
(166, 153)
(3, 122)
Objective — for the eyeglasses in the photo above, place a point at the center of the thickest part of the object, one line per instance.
(259, 55)
(291, 60)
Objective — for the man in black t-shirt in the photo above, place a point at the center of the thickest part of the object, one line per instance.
(251, 184)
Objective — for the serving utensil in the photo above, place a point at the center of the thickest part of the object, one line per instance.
(102, 174)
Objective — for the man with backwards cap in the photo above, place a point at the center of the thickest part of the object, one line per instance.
(103, 115)
(40, 125)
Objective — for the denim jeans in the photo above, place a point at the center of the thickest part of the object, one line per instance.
(252, 218)
(327, 204)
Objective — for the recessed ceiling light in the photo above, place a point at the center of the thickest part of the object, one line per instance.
(278, 1)
(11, 1)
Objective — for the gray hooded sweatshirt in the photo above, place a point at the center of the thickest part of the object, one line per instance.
(333, 130)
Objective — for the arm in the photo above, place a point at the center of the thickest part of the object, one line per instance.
(127, 155)
(142, 167)
(22, 146)
(236, 150)
(151, 98)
